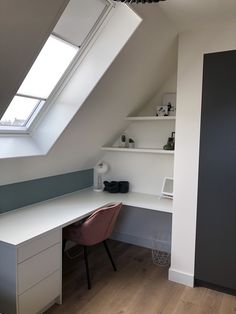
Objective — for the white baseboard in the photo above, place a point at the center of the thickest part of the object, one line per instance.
(181, 277)
(140, 241)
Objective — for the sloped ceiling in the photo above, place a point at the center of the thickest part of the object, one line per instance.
(144, 64)
(188, 14)
(24, 27)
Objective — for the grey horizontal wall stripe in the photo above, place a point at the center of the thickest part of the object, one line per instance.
(20, 194)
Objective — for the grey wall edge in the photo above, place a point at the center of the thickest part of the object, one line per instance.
(20, 194)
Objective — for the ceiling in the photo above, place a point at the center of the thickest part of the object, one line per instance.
(24, 27)
(186, 14)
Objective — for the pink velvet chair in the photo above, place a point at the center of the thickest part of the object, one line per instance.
(95, 229)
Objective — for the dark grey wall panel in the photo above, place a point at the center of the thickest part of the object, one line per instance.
(16, 195)
(216, 216)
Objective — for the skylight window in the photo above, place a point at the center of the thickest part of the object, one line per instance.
(48, 68)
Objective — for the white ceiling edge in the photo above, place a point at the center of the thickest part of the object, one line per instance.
(106, 47)
(192, 14)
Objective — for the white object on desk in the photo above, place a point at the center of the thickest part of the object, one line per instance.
(167, 188)
(29, 235)
(100, 169)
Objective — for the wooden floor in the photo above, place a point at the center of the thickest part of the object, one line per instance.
(138, 287)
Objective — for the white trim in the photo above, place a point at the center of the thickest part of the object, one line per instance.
(113, 3)
(181, 277)
(138, 150)
(13, 130)
(150, 118)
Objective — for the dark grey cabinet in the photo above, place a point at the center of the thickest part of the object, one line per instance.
(215, 261)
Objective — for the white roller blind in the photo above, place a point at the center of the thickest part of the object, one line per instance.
(78, 19)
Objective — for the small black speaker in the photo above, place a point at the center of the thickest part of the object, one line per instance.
(112, 187)
(116, 186)
(124, 186)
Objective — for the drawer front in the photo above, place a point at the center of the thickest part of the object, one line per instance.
(37, 245)
(35, 269)
(41, 295)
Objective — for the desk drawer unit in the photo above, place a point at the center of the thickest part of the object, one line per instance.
(38, 267)
(30, 274)
(36, 299)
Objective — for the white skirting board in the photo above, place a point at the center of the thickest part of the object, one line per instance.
(181, 277)
(140, 241)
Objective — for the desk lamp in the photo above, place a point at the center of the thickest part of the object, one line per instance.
(99, 169)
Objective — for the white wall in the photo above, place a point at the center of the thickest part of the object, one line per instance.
(169, 86)
(145, 172)
(143, 65)
(192, 46)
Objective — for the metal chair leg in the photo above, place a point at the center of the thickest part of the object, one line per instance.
(109, 254)
(87, 266)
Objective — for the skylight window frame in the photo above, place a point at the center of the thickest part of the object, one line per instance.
(83, 50)
(24, 129)
(36, 110)
(40, 110)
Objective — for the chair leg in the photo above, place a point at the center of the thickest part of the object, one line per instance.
(87, 266)
(109, 254)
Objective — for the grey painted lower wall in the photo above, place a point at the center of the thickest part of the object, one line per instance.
(20, 194)
(144, 227)
(137, 226)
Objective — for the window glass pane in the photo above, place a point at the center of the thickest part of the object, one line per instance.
(51, 63)
(19, 111)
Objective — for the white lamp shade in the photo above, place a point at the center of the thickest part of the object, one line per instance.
(101, 167)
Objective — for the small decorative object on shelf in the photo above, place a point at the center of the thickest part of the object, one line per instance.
(168, 107)
(123, 141)
(162, 111)
(131, 143)
(169, 100)
(170, 143)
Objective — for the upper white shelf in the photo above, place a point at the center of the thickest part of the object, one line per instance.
(139, 150)
(150, 118)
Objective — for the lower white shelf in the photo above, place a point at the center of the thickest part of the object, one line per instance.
(139, 150)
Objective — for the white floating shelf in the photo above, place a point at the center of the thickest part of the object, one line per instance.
(150, 118)
(139, 150)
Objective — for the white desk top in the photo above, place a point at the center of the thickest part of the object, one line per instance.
(21, 225)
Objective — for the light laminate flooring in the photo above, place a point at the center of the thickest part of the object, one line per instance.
(138, 287)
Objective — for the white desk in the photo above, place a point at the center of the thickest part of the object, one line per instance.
(30, 245)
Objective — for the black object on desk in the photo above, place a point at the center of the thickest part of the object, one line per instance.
(116, 186)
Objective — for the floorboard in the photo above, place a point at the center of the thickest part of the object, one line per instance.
(138, 287)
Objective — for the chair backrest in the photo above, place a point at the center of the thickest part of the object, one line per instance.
(99, 226)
